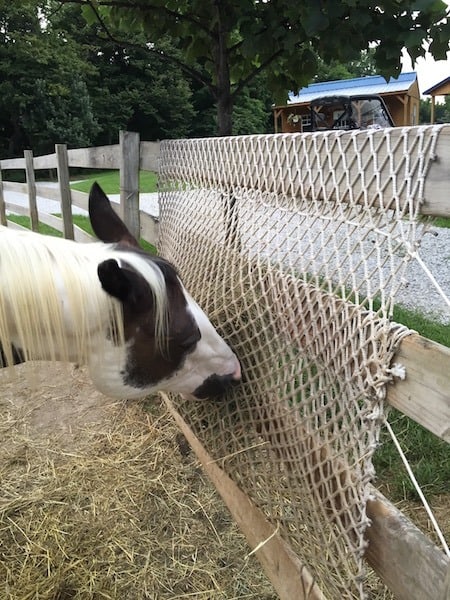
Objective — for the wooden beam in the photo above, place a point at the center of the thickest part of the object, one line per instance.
(99, 157)
(424, 395)
(129, 181)
(409, 564)
(402, 556)
(149, 156)
(64, 190)
(288, 575)
(31, 183)
(2, 202)
(343, 166)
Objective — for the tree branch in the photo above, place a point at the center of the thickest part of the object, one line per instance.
(191, 72)
(188, 17)
(243, 82)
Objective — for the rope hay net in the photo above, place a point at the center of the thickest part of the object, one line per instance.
(292, 244)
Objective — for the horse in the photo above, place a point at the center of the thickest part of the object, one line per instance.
(112, 306)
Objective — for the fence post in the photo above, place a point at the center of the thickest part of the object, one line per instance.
(129, 181)
(3, 220)
(31, 182)
(62, 167)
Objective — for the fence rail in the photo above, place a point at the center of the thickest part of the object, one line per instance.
(129, 156)
(406, 560)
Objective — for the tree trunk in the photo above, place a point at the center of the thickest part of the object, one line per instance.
(224, 114)
(223, 89)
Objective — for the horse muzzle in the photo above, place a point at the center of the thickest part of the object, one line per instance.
(216, 385)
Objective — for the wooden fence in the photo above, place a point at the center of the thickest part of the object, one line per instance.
(129, 156)
(406, 560)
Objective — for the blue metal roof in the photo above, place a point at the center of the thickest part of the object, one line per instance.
(371, 84)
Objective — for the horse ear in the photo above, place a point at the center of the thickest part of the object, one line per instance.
(125, 285)
(107, 225)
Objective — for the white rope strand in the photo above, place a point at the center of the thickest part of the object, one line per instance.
(418, 490)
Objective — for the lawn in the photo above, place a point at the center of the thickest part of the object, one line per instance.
(109, 181)
(80, 220)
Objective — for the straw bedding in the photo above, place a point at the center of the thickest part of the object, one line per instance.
(105, 500)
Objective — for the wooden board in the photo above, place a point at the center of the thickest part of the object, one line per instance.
(425, 393)
(100, 157)
(289, 576)
(335, 166)
(149, 228)
(403, 557)
(409, 564)
(149, 156)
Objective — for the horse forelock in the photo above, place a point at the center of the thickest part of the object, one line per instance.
(155, 272)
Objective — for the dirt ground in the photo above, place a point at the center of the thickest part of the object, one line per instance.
(103, 499)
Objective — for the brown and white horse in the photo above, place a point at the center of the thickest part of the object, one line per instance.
(109, 304)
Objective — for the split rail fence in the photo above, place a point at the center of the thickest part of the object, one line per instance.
(410, 565)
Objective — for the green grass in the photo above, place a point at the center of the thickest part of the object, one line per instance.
(109, 181)
(80, 220)
(441, 222)
(428, 455)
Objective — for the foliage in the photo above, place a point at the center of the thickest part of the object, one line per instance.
(441, 111)
(225, 44)
(334, 70)
(41, 84)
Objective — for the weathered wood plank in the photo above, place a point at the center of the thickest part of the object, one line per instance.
(12, 163)
(45, 191)
(424, 395)
(129, 180)
(100, 157)
(12, 186)
(149, 156)
(290, 578)
(31, 183)
(17, 209)
(332, 166)
(47, 161)
(57, 223)
(409, 564)
(64, 190)
(149, 228)
(80, 199)
(17, 226)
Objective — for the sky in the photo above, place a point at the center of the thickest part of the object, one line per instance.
(429, 72)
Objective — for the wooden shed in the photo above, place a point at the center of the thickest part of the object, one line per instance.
(439, 89)
(401, 96)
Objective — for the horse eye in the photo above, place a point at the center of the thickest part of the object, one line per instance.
(190, 342)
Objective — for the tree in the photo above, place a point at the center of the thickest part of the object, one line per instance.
(225, 44)
(43, 99)
(334, 70)
(441, 111)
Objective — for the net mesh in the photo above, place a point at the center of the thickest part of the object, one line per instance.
(295, 246)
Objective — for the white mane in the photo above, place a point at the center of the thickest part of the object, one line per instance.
(52, 305)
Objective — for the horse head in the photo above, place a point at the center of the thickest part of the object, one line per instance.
(169, 343)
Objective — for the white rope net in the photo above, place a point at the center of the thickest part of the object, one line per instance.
(295, 246)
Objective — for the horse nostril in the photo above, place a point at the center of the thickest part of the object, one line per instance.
(236, 376)
(215, 385)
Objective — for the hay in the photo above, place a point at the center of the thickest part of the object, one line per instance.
(106, 501)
